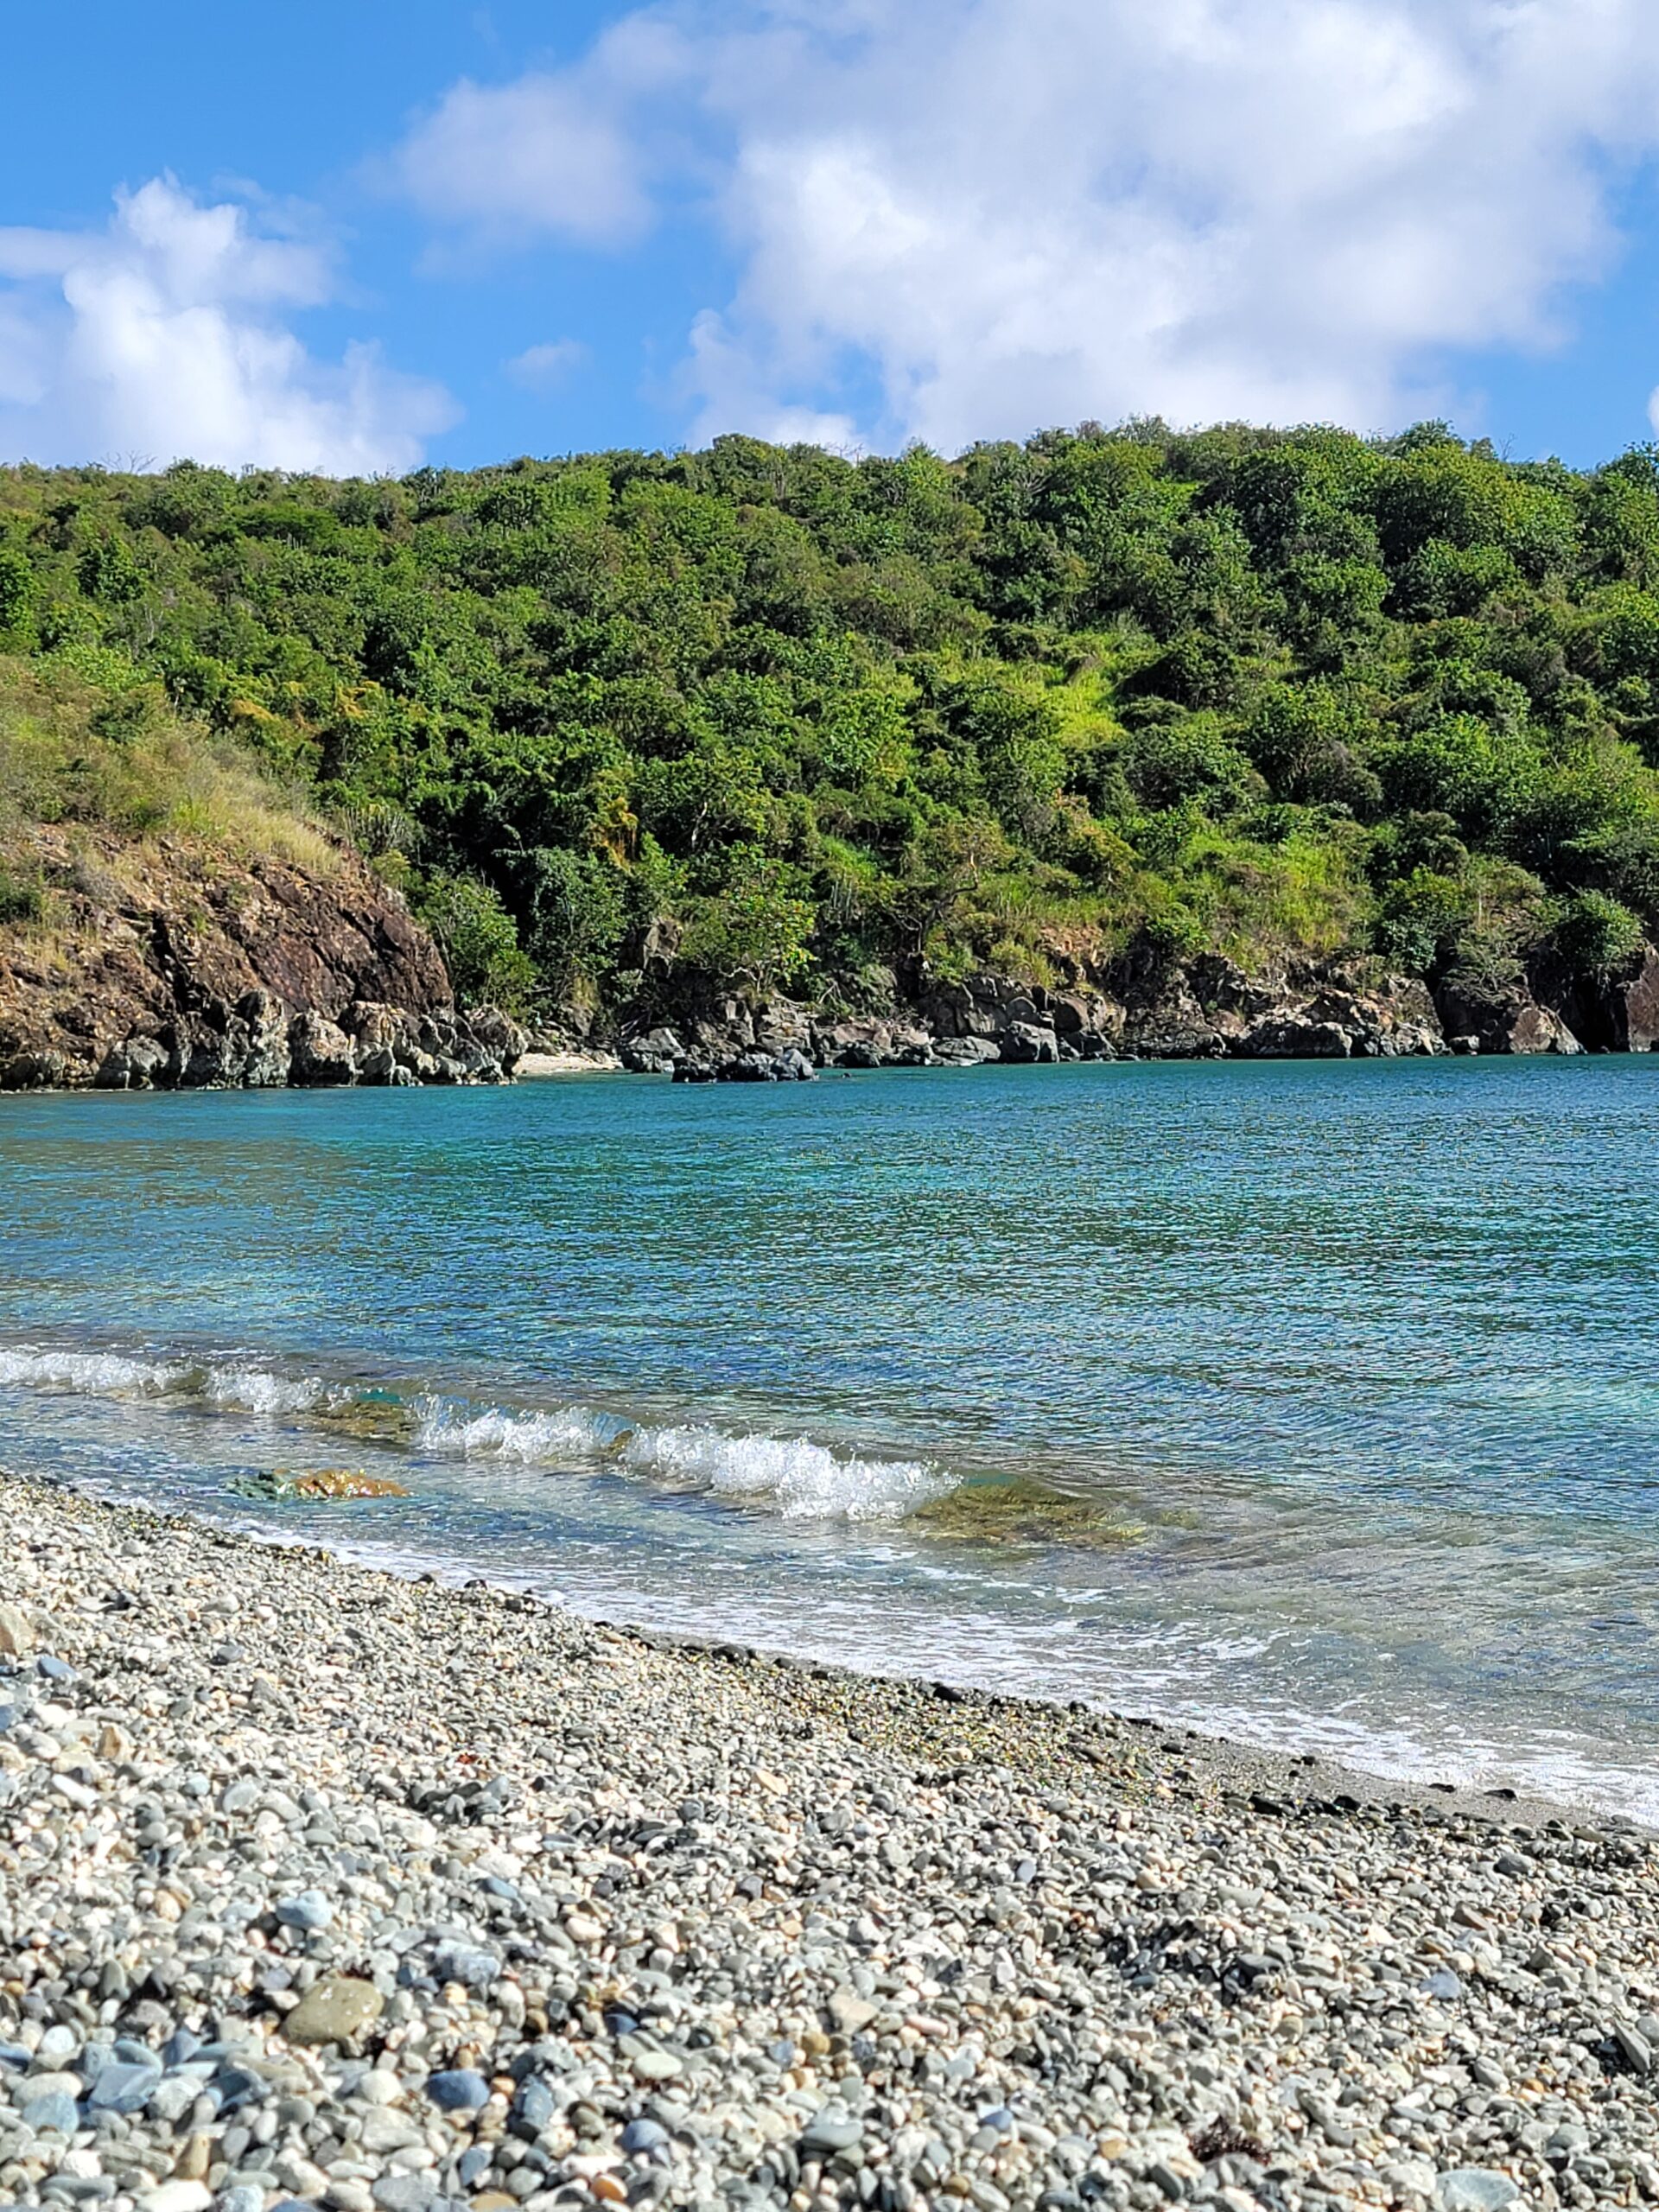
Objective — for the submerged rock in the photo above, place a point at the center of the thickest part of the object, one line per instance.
(319, 1483)
(1007, 1514)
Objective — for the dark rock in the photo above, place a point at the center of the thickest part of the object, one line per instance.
(1503, 1019)
(748, 1067)
(1025, 1045)
(125, 2086)
(655, 1054)
(320, 1053)
(1295, 1037)
(216, 974)
(458, 2090)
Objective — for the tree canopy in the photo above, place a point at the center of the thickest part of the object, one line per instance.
(799, 721)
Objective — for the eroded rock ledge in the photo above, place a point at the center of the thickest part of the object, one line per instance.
(1207, 1008)
(172, 967)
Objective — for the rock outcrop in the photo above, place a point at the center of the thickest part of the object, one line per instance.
(172, 967)
(1140, 1006)
(1503, 1019)
(169, 966)
(1208, 1009)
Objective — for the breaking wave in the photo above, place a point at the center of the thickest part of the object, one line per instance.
(797, 1478)
(123, 1375)
(803, 1480)
(789, 1475)
(452, 1429)
(92, 1374)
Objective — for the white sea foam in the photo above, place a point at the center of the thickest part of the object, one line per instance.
(793, 1476)
(241, 1388)
(257, 1391)
(802, 1480)
(798, 1478)
(522, 1439)
(89, 1374)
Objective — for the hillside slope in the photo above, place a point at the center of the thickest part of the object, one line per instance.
(167, 919)
(644, 737)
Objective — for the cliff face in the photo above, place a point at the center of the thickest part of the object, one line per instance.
(171, 966)
(1141, 1008)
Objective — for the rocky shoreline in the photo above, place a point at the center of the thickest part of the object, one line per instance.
(179, 967)
(1205, 1009)
(321, 1887)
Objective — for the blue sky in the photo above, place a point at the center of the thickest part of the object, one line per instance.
(360, 236)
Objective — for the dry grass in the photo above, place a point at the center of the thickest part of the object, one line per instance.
(71, 752)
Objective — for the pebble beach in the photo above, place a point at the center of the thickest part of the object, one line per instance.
(319, 1886)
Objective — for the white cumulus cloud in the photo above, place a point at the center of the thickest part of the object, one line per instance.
(539, 368)
(954, 219)
(557, 152)
(164, 336)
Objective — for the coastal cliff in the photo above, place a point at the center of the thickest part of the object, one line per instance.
(1144, 1008)
(175, 964)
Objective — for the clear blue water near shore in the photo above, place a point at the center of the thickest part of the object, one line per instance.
(1313, 1405)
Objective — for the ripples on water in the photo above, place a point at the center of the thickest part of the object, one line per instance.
(1311, 1404)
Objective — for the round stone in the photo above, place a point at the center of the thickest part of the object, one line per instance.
(458, 2090)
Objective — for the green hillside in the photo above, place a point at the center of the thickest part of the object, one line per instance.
(781, 717)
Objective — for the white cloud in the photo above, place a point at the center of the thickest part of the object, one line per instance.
(162, 336)
(978, 216)
(554, 153)
(539, 368)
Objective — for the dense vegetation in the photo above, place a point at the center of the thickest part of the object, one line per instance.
(117, 757)
(783, 717)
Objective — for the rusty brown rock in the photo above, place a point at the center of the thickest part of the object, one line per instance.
(177, 965)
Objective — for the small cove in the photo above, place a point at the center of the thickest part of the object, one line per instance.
(1310, 1404)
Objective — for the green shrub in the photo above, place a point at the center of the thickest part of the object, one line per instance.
(22, 898)
(1595, 935)
(479, 942)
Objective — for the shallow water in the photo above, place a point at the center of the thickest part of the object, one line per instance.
(1313, 1404)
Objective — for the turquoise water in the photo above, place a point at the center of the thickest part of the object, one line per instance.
(1314, 1404)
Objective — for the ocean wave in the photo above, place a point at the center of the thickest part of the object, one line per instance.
(454, 1430)
(91, 1374)
(260, 1390)
(803, 1480)
(233, 1389)
(789, 1475)
(798, 1478)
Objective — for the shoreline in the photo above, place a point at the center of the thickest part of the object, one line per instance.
(475, 1901)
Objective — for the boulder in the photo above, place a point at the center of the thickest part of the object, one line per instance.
(1294, 1036)
(1504, 1018)
(1024, 1044)
(1089, 1019)
(750, 1067)
(868, 1041)
(261, 1020)
(782, 1026)
(321, 1054)
(139, 1065)
(1632, 1006)
(654, 1054)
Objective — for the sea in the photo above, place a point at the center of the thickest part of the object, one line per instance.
(1315, 1405)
